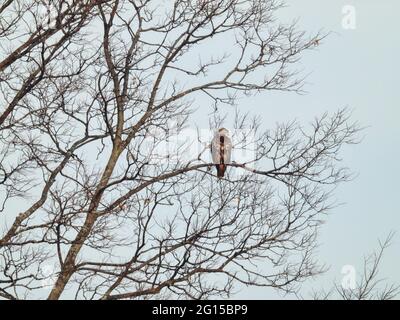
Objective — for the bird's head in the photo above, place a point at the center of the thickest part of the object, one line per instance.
(222, 131)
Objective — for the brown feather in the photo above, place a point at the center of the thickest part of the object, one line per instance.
(221, 168)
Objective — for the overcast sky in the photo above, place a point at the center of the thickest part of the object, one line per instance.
(358, 68)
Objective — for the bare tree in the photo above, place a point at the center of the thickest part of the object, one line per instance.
(88, 102)
(370, 285)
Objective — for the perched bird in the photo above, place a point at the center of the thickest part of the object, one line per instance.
(221, 147)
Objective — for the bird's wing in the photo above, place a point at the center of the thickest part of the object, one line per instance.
(227, 150)
(215, 150)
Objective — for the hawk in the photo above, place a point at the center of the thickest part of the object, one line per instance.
(221, 147)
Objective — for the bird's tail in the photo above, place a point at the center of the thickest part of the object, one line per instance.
(221, 168)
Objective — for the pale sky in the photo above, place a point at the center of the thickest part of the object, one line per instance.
(358, 68)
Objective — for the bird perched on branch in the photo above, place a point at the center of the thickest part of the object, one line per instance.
(221, 147)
